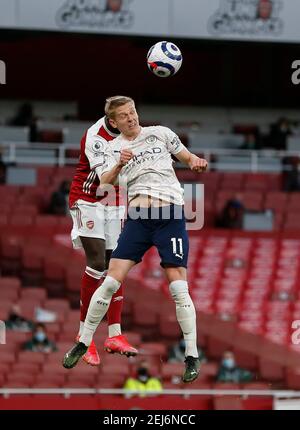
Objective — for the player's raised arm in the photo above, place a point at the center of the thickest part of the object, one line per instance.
(176, 148)
(195, 163)
(110, 174)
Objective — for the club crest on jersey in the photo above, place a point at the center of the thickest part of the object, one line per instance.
(90, 224)
(151, 139)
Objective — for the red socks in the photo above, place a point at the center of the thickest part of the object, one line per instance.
(91, 280)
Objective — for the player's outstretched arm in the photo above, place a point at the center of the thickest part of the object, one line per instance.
(111, 176)
(195, 163)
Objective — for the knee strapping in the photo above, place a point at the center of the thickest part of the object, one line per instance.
(179, 291)
(185, 310)
(109, 287)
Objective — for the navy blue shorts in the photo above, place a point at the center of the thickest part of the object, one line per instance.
(162, 227)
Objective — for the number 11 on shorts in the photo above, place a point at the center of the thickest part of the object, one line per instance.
(177, 252)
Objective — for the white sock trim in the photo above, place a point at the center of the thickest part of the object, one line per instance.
(81, 324)
(93, 273)
(114, 330)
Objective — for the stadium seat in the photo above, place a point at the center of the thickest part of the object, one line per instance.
(232, 181)
(228, 403)
(292, 378)
(168, 326)
(154, 348)
(16, 384)
(43, 378)
(31, 357)
(110, 381)
(32, 368)
(116, 369)
(21, 220)
(47, 384)
(21, 378)
(32, 268)
(39, 294)
(270, 371)
(170, 371)
(17, 337)
(209, 369)
(4, 219)
(245, 359)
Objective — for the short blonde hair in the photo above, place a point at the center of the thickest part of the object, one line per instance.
(112, 103)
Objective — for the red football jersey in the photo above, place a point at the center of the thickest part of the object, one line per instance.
(92, 154)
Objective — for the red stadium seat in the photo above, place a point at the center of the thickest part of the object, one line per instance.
(31, 357)
(9, 190)
(26, 209)
(10, 254)
(245, 359)
(115, 369)
(17, 337)
(21, 220)
(77, 384)
(21, 378)
(36, 294)
(32, 368)
(172, 370)
(16, 384)
(4, 219)
(45, 174)
(270, 371)
(232, 181)
(169, 327)
(47, 383)
(292, 378)
(44, 379)
(228, 403)
(154, 348)
(110, 381)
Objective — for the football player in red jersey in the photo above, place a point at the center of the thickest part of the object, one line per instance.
(96, 228)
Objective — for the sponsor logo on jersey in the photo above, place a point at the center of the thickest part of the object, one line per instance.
(151, 139)
(151, 151)
(90, 224)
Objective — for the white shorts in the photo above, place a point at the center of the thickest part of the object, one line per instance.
(98, 221)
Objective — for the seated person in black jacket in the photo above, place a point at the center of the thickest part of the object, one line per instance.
(230, 372)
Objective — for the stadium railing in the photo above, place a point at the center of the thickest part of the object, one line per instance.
(220, 158)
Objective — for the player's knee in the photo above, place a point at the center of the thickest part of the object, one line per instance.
(175, 273)
(179, 290)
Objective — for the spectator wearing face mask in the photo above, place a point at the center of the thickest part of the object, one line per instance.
(39, 341)
(230, 372)
(177, 353)
(143, 382)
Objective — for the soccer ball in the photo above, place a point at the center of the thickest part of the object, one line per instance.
(164, 59)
